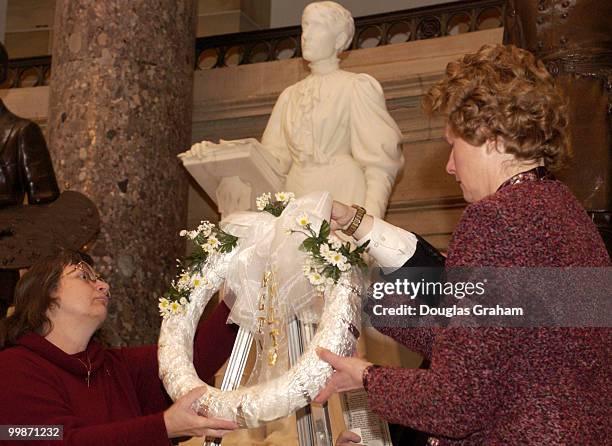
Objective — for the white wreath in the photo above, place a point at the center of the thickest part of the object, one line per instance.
(258, 404)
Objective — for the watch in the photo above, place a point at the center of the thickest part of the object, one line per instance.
(352, 227)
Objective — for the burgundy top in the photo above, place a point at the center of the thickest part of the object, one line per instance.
(124, 404)
(509, 386)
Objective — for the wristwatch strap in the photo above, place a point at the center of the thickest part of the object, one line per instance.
(356, 221)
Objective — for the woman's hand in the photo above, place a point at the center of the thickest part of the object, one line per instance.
(348, 374)
(182, 421)
(348, 438)
(341, 215)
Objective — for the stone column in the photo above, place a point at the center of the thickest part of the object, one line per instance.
(120, 112)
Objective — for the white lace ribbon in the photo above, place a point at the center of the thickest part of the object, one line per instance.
(265, 245)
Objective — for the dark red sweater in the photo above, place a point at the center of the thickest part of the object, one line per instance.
(40, 384)
(505, 386)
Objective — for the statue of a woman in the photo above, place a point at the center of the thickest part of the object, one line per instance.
(331, 131)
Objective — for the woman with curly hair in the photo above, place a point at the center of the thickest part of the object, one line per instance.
(506, 127)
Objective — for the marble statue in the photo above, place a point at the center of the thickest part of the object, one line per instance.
(332, 131)
(328, 132)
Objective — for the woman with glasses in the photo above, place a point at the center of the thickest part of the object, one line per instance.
(54, 374)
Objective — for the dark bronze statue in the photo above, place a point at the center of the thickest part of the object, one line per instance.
(574, 39)
(25, 168)
(50, 220)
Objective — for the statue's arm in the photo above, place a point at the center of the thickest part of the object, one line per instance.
(36, 166)
(375, 142)
(274, 141)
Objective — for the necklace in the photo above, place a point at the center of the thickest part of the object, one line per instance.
(88, 368)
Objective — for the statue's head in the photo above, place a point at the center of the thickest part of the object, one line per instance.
(3, 63)
(327, 29)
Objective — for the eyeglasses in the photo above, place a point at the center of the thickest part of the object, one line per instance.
(88, 273)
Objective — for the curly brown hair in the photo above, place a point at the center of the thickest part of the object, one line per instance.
(502, 93)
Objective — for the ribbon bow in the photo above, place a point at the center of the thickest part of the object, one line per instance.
(266, 245)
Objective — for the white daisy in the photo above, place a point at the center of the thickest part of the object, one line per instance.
(175, 308)
(198, 281)
(213, 241)
(302, 220)
(284, 197)
(164, 306)
(335, 258)
(328, 254)
(315, 278)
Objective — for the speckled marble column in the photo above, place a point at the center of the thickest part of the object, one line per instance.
(120, 112)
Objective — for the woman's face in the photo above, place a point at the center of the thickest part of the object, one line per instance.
(81, 295)
(474, 167)
(318, 38)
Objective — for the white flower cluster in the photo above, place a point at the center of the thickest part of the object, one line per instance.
(189, 280)
(205, 228)
(313, 272)
(313, 268)
(263, 200)
(329, 252)
(284, 197)
(281, 197)
(168, 308)
(186, 283)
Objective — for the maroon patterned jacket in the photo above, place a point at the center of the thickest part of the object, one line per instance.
(508, 386)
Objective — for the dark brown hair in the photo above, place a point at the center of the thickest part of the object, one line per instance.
(503, 93)
(34, 296)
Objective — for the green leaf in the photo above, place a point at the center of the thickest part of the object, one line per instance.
(310, 244)
(361, 248)
(335, 274)
(327, 271)
(324, 231)
(274, 209)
